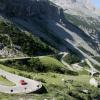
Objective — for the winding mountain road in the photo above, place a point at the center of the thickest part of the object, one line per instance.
(85, 55)
(19, 58)
(31, 85)
(64, 62)
(77, 67)
(92, 70)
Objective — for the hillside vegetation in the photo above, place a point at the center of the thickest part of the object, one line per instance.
(58, 86)
(13, 37)
(72, 58)
(41, 65)
(35, 37)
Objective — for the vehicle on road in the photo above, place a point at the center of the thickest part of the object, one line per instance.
(22, 82)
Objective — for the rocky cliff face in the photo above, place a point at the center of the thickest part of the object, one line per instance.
(29, 8)
(77, 7)
(74, 4)
(83, 14)
(48, 21)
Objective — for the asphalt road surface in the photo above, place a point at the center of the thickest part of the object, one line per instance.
(31, 85)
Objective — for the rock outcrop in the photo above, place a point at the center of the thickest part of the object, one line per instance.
(77, 7)
(29, 8)
(47, 20)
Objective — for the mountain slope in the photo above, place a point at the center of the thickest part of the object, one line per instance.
(77, 7)
(50, 24)
(15, 42)
(65, 41)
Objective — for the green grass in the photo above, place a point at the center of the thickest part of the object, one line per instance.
(42, 64)
(83, 72)
(96, 67)
(49, 61)
(56, 88)
(97, 58)
(85, 65)
(4, 81)
(56, 78)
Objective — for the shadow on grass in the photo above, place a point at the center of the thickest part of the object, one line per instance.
(42, 90)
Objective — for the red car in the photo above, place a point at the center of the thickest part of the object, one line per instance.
(22, 82)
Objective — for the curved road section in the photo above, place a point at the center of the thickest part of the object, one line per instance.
(31, 85)
(64, 62)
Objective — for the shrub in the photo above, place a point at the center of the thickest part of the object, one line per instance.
(72, 58)
(36, 65)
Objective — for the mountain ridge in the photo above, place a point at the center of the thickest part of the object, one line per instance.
(77, 7)
(50, 24)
